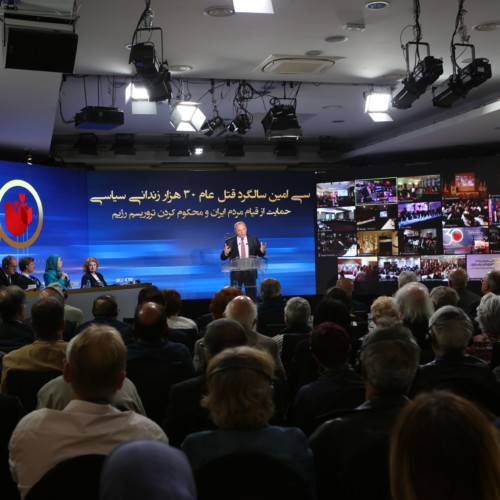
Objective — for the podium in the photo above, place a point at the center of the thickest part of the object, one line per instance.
(244, 272)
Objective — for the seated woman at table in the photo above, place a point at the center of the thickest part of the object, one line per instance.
(92, 278)
(53, 273)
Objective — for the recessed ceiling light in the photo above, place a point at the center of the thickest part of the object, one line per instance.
(180, 68)
(336, 39)
(314, 52)
(376, 5)
(338, 121)
(354, 27)
(219, 11)
(493, 26)
(333, 106)
(394, 76)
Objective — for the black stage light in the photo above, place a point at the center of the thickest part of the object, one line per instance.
(86, 144)
(457, 86)
(124, 144)
(240, 124)
(215, 126)
(179, 146)
(234, 146)
(426, 72)
(281, 121)
(152, 73)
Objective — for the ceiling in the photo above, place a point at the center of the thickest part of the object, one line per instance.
(230, 50)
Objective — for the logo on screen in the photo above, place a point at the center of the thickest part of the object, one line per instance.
(19, 213)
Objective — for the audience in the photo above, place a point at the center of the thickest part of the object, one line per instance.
(468, 300)
(444, 296)
(174, 305)
(443, 446)
(406, 277)
(13, 333)
(270, 308)
(348, 285)
(383, 307)
(350, 451)
(71, 313)
(450, 333)
(146, 469)
(89, 424)
(488, 317)
(491, 283)
(339, 386)
(48, 351)
(105, 312)
(240, 401)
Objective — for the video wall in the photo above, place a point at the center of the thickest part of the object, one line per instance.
(430, 223)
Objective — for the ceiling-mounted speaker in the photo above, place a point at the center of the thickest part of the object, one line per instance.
(40, 49)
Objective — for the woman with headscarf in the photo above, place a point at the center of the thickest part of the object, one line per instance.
(53, 272)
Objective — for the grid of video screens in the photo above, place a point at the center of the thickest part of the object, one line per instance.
(428, 224)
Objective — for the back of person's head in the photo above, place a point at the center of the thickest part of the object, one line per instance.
(413, 303)
(492, 280)
(336, 293)
(24, 262)
(297, 312)
(334, 311)
(47, 318)
(96, 359)
(150, 294)
(221, 299)
(384, 307)
(240, 392)
(243, 310)
(223, 333)
(458, 278)
(105, 305)
(443, 446)
(390, 357)
(346, 284)
(172, 301)
(143, 468)
(451, 329)
(270, 288)
(444, 296)
(12, 302)
(330, 344)
(406, 277)
(54, 290)
(488, 314)
(150, 321)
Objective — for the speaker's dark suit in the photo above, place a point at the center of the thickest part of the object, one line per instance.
(248, 279)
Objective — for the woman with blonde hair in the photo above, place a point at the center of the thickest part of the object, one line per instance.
(444, 446)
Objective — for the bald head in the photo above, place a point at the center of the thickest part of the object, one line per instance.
(243, 310)
(150, 321)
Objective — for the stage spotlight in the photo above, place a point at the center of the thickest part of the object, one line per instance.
(281, 121)
(186, 116)
(215, 126)
(458, 85)
(426, 72)
(86, 144)
(240, 124)
(124, 144)
(377, 105)
(179, 146)
(234, 146)
(151, 71)
(286, 147)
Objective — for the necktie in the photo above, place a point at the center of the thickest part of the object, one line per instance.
(243, 252)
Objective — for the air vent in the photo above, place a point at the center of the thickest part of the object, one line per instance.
(296, 65)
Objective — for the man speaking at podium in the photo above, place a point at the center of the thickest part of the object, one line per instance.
(243, 245)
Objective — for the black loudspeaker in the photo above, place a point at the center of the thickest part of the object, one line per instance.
(40, 49)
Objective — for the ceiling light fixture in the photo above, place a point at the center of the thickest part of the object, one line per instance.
(493, 26)
(186, 116)
(377, 5)
(254, 6)
(377, 105)
(219, 11)
(241, 123)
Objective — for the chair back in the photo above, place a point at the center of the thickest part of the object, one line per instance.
(76, 478)
(153, 379)
(26, 384)
(290, 341)
(249, 476)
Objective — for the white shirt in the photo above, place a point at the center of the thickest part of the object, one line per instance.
(45, 437)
